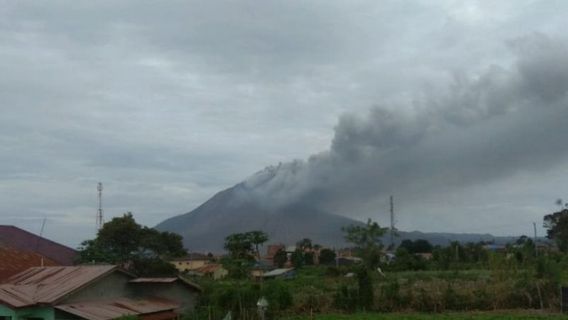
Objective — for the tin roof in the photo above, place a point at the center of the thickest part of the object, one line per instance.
(48, 284)
(13, 261)
(208, 268)
(153, 280)
(14, 237)
(278, 272)
(105, 310)
(167, 280)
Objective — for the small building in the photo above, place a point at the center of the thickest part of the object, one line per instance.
(190, 262)
(93, 293)
(213, 270)
(284, 273)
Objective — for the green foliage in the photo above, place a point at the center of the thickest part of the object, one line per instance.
(557, 228)
(280, 258)
(327, 256)
(367, 239)
(418, 246)
(237, 268)
(245, 245)
(278, 295)
(139, 249)
(365, 285)
(304, 244)
(297, 258)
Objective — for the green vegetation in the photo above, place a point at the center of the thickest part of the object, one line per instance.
(448, 316)
(140, 250)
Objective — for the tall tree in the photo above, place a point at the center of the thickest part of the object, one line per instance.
(557, 228)
(367, 239)
(257, 238)
(139, 249)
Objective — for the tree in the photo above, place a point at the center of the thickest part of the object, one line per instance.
(417, 246)
(327, 256)
(239, 246)
(557, 228)
(367, 239)
(138, 249)
(304, 244)
(297, 258)
(280, 258)
(257, 238)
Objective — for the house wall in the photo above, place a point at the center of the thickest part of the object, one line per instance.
(189, 264)
(177, 292)
(45, 313)
(115, 285)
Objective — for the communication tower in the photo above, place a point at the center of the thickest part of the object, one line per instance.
(100, 211)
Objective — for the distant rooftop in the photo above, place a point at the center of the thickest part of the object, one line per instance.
(14, 237)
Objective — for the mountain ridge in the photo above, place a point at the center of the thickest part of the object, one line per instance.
(205, 228)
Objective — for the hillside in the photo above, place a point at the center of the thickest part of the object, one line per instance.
(205, 228)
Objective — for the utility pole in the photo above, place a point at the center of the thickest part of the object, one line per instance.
(535, 246)
(100, 211)
(392, 222)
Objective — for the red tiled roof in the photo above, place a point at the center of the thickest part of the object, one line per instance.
(14, 261)
(47, 285)
(20, 239)
(106, 310)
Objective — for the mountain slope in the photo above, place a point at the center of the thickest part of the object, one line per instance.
(205, 228)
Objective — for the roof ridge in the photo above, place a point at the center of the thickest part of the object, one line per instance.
(38, 236)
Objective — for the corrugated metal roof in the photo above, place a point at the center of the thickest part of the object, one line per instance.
(167, 280)
(154, 280)
(13, 261)
(48, 284)
(277, 272)
(105, 310)
(14, 237)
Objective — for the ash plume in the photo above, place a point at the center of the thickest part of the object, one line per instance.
(501, 122)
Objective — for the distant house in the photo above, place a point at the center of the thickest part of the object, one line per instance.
(13, 261)
(93, 293)
(213, 270)
(286, 273)
(24, 241)
(190, 262)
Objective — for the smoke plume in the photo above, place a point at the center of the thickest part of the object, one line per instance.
(503, 121)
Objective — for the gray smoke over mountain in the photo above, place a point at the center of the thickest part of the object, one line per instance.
(481, 128)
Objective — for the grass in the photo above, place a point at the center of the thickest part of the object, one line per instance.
(502, 315)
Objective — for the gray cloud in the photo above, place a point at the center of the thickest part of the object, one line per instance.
(169, 103)
(502, 122)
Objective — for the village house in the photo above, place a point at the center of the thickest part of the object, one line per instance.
(13, 261)
(93, 293)
(191, 262)
(24, 241)
(214, 271)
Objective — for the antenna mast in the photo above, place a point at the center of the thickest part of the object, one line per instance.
(100, 211)
(392, 222)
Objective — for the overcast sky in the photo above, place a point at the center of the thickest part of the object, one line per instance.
(167, 103)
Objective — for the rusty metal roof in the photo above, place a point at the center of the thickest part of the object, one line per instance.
(168, 280)
(105, 310)
(14, 237)
(46, 285)
(13, 261)
(153, 280)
